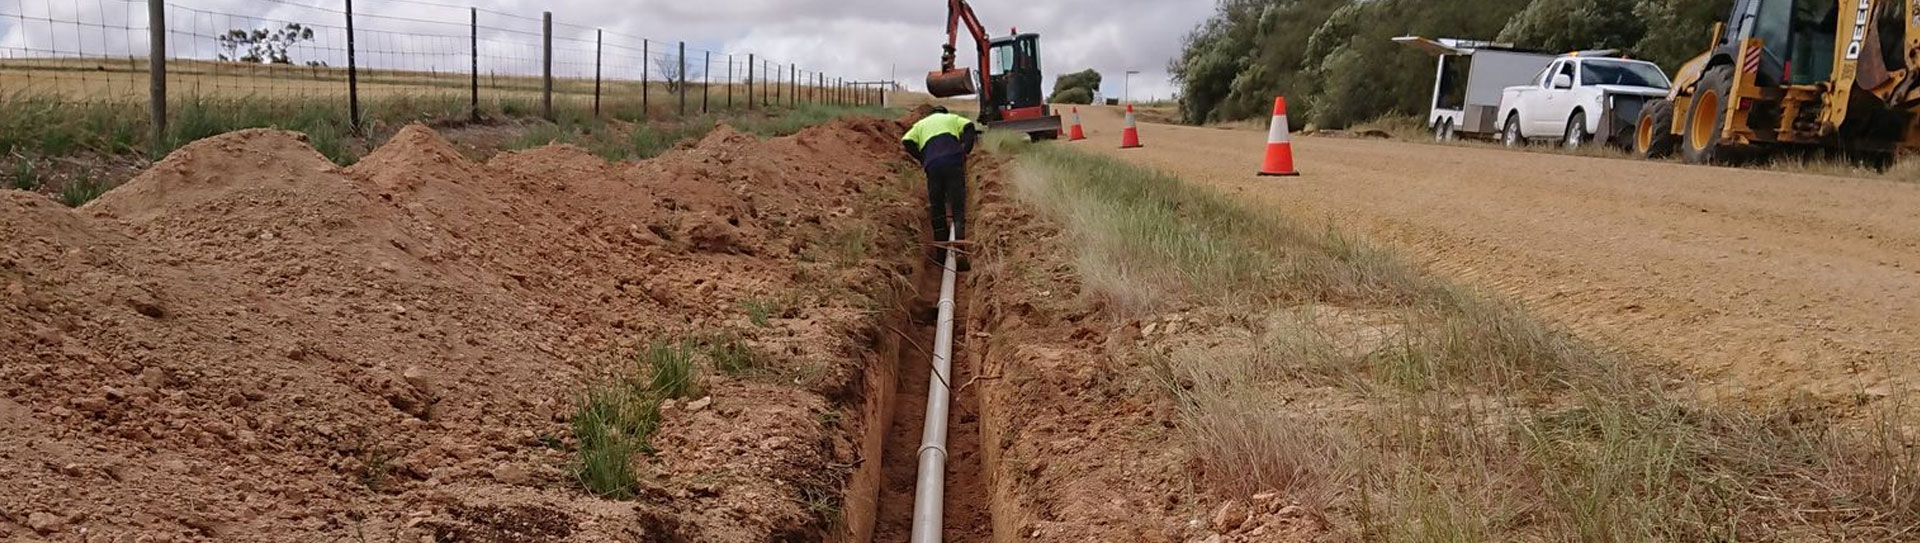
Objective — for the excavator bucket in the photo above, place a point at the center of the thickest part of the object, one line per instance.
(951, 83)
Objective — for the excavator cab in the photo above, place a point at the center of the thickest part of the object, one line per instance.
(1015, 79)
(1009, 90)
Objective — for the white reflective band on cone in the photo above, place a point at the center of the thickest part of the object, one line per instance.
(1277, 133)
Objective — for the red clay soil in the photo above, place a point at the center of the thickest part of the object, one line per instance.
(249, 343)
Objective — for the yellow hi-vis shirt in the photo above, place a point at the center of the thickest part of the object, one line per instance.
(934, 125)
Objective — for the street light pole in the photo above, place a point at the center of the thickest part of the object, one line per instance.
(1126, 87)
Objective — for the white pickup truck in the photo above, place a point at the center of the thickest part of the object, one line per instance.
(1579, 99)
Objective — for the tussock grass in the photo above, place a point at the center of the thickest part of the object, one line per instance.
(761, 311)
(618, 412)
(1456, 417)
(81, 190)
(672, 369)
(732, 355)
(24, 176)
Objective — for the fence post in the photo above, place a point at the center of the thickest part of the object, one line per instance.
(597, 36)
(473, 34)
(353, 76)
(729, 82)
(706, 79)
(157, 73)
(750, 62)
(793, 85)
(546, 65)
(683, 79)
(646, 67)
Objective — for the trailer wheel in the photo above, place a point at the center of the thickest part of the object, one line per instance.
(1443, 131)
(1653, 135)
(1702, 144)
(1511, 134)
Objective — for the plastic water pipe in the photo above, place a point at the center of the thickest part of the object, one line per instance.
(929, 493)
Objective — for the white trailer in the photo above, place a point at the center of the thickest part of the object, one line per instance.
(1468, 82)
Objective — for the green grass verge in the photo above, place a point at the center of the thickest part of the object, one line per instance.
(1464, 417)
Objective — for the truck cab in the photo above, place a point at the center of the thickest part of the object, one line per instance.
(1581, 98)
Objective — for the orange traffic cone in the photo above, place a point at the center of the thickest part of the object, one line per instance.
(1075, 133)
(1279, 150)
(1130, 136)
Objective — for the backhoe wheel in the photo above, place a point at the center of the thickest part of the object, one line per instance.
(1511, 134)
(1576, 136)
(1653, 136)
(1711, 98)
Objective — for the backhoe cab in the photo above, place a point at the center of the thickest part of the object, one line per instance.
(1828, 74)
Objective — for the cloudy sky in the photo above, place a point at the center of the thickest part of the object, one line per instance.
(866, 39)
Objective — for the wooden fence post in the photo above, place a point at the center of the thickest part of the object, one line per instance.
(646, 67)
(706, 80)
(683, 79)
(353, 76)
(750, 63)
(157, 74)
(597, 36)
(473, 35)
(546, 65)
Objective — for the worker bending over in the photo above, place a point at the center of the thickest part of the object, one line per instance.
(941, 141)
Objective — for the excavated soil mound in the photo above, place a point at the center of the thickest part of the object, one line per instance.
(249, 343)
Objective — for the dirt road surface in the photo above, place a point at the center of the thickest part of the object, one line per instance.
(1760, 286)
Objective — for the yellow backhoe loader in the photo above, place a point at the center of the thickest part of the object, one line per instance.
(1832, 74)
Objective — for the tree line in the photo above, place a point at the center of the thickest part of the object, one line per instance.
(1336, 63)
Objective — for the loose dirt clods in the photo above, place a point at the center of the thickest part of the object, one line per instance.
(250, 343)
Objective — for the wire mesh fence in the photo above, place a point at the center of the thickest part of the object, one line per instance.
(340, 64)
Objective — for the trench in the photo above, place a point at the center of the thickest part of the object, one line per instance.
(966, 510)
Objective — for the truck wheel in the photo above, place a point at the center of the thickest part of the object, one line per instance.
(1576, 136)
(1653, 135)
(1706, 118)
(1511, 134)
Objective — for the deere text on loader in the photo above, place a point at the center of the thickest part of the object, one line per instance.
(1782, 74)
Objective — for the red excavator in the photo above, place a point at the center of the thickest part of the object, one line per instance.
(1009, 86)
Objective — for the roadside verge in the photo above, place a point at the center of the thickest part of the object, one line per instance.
(1172, 366)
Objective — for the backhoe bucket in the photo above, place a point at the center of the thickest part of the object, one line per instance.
(951, 83)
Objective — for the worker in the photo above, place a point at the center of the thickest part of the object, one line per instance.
(941, 141)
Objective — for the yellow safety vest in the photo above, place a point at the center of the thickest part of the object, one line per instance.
(934, 125)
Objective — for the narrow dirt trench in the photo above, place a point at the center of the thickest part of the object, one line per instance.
(967, 512)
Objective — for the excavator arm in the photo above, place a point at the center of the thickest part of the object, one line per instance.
(952, 81)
